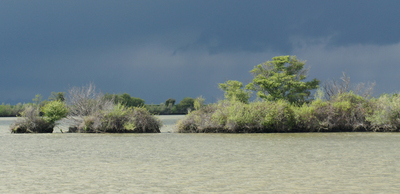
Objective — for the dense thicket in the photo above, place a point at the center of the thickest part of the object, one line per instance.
(32, 122)
(92, 112)
(119, 119)
(344, 112)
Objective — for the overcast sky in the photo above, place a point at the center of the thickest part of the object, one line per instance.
(163, 49)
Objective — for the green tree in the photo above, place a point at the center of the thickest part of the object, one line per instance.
(186, 104)
(54, 111)
(234, 91)
(282, 78)
(198, 102)
(60, 96)
(37, 99)
(125, 99)
(170, 102)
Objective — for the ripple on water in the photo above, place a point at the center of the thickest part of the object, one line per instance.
(188, 163)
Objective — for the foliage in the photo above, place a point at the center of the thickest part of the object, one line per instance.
(7, 110)
(238, 117)
(234, 91)
(38, 98)
(31, 122)
(169, 106)
(282, 78)
(94, 113)
(125, 99)
(186, 104)
(344, 112)
(54, 111)
(334, 87)
(386, 114)
(120, 119)
(86, 100)
(57, 96)
(170, 102)
(198, 102)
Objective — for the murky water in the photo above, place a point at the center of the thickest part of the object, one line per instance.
(198, 163)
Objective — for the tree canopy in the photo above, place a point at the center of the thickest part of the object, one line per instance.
(125, 99)
(282, 78)
(234, 91)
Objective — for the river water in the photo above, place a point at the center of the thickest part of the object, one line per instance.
(198, 163)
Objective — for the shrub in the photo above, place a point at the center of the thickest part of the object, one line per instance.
(234, 91)
(308, 116)
(31, 122)
(54, 111)
(279, 117)
(199, 121)
(344, 112)
(186, 104)
(238, 117)
(120, 119)
(386, 114)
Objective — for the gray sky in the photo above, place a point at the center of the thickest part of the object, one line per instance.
(163, 49)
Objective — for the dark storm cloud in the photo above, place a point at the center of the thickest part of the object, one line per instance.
(178, 48)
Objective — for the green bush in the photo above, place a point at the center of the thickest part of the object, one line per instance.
(186, 104)
(200, 121)
(120, 119)
(31, 122)
(386, 114)
(279, 117)
(54, 111)
(344, 112)
(238, 117)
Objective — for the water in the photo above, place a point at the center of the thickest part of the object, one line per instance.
(198, 163)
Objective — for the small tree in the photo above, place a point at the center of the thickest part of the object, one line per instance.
(57, 96)
(31, 122)
(85, 100)
(54, 111)
(282, 78)
(125, 99)
(186, 104)
(38, 98)
(198, 102)
(334, 87)
(234, 91)
(170, 102)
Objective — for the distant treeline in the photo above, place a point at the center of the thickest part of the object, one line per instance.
(7, 110)
(166, 108)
